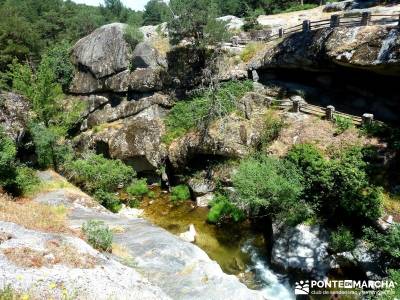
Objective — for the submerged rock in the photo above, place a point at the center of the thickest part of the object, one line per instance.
(204, 201)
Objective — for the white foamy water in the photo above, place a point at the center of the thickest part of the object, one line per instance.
(274, 287)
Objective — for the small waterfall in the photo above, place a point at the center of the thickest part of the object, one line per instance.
(273, 286)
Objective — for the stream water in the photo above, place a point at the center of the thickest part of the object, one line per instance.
(239, 249)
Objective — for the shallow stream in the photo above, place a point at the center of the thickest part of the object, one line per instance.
(238, 248)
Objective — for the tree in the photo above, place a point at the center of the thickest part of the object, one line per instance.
(7, 156)
(189, 20)
(156, 12)
(269, 187)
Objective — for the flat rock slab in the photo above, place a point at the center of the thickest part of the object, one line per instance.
(182, 270)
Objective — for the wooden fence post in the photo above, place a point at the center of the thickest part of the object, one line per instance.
(306, 25)
(280, 32)
(329, 112)
(335, 21)
(296, 106)
(367, 119)
(365, 18)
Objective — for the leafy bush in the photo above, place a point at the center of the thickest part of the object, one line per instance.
(342, 240)
(8, 152)
(108, 200)
(98, 234)
(387, 243)
(94, 172)
(133, 35)
(272, 126)
(270, 186)
(342, 124)
(250, 51)
(180, 193)
(394, 275)
(222, 209)
(138, 188)
(26, 180)
(204, 108)
(151, 194)
(338, 186)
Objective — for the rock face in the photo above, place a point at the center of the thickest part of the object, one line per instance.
(302, 248)
(180, 269)
(373, 48)
(104, 62)
(104, 52)
(14, 112)
(95, 276)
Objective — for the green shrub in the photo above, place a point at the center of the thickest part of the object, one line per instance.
(133, 35)
(8, 293)
(8, 152)
(222, 209)
(342, 240)
(94, 172)
(138, 188)
(180, 193)
(394, 275)
(338, 186)
(272, 126)
(151, 194)
(250, 51)
(98, 234)
(270, 186)
(108, 200)
(296, 7)
(342, 124)
(198, 111)
(26, 180)
(387, 243)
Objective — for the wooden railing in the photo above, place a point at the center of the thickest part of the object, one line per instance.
(345, 20)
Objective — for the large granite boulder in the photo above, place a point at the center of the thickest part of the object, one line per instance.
(135, 139)
(146, 56)
(302, 248)
(373, 48)
(103, 52)
(14, 113)
(104, 62)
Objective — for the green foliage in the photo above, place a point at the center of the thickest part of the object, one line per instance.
(59, 61)
(195, 21)
(133, 35)
(272, 126)
(203, 109)
(26, 180)
(342, 240)
(180, 193)
(8, 293)
(138, 188)
(394, 275)
(156, 12)
(222, 210)
(250, 51)
(151, 194)
(267, 185)
(251, 22)
(94, 172)
(342, 124)
(387, 243)
(7, 158)
(98, 234)
(338, 186)
(108, 200)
